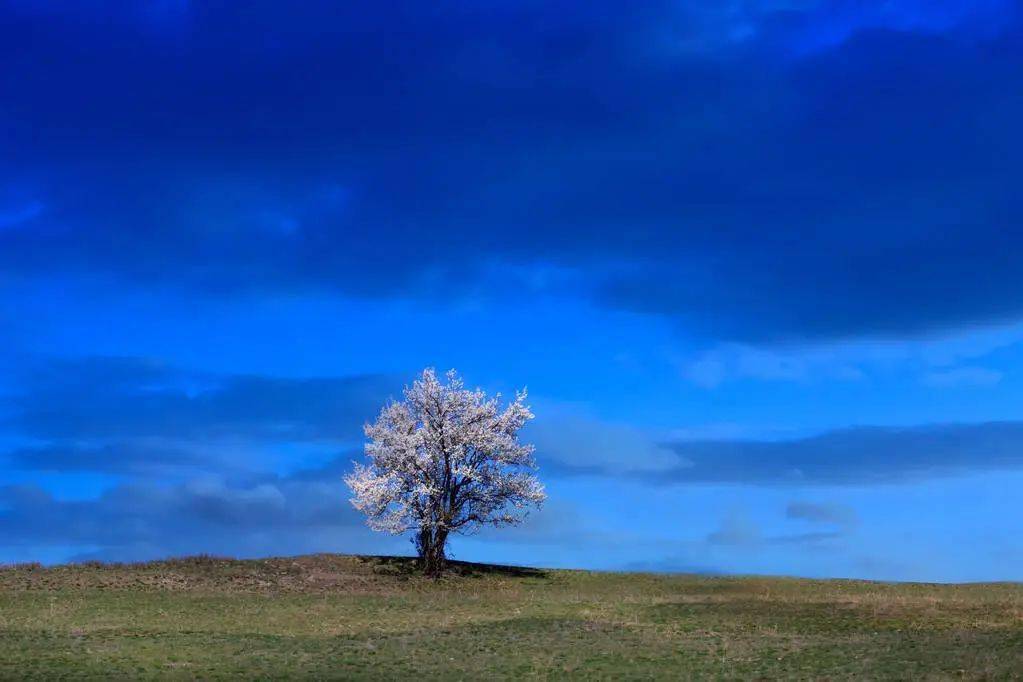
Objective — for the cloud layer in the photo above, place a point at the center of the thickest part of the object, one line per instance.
(193, 459)
(141, 520)
(869, 455)
(103, 398)
(757, 172)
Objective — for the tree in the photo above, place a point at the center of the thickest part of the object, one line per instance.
(445, 460)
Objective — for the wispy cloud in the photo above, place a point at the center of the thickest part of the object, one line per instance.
(940, 360)
(13, 217)
(962, 377)
(818, 512)
(738, 529)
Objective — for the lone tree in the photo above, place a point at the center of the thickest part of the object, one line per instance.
(445, 460)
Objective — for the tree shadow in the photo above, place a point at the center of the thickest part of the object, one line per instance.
(470, 569)
(409, 566)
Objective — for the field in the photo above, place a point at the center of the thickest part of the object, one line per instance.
(364, 617)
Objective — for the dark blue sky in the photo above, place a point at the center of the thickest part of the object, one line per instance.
(759, 264)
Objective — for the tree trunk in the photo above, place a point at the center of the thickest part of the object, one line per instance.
(430, 544)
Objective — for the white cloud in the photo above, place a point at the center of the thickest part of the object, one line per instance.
(568, 434)
(934, 359)
(962, 377)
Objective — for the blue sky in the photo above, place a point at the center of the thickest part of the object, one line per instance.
(757, 262)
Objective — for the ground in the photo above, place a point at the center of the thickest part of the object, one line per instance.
(372, 617)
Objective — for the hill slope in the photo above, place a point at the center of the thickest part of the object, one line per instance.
(340, 616)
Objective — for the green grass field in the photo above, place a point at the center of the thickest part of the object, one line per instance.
(350, 617)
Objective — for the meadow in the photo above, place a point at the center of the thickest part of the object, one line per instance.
(334, 616)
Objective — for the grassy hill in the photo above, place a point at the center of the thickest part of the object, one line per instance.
(372, 617)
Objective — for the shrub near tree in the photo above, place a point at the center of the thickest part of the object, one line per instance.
(445, 460)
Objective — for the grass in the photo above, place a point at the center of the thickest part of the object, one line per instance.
(331, 616)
